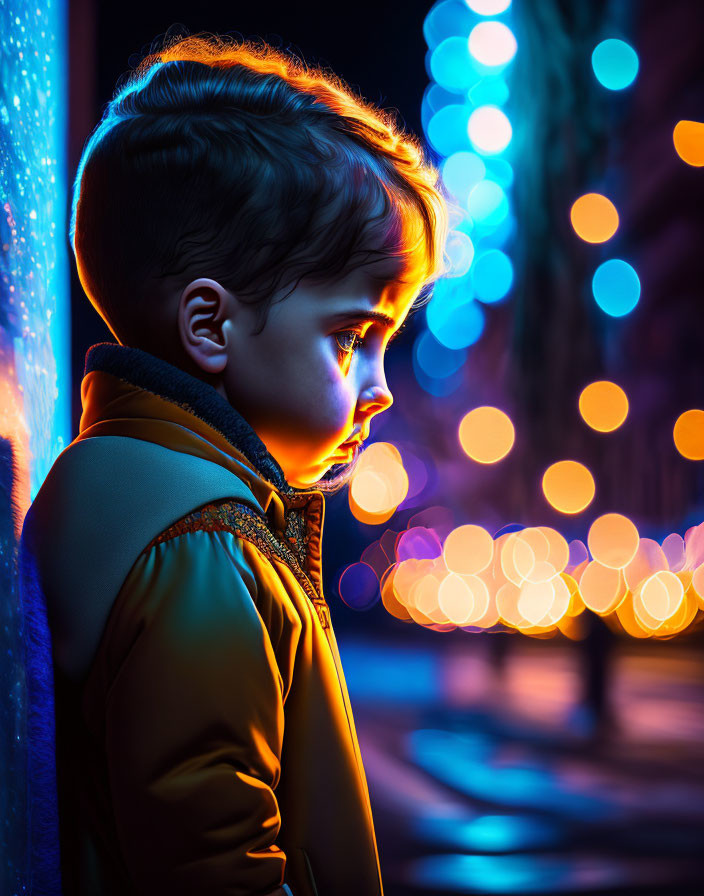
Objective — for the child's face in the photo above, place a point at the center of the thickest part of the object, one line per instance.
(305, 383)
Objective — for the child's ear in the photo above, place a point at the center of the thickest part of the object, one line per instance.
(204, 313)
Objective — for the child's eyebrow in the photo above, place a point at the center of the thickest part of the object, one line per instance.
(363, 315)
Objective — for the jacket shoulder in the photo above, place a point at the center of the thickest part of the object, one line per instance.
(244, 522)
(203, 591)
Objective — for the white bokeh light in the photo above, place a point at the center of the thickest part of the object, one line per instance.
(492, 43)
(488, 7)
(489, 129)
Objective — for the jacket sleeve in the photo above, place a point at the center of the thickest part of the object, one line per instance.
(194, 724)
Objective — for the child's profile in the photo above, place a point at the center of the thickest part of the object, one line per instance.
(254, 235)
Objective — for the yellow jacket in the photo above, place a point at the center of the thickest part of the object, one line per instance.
(205, 742)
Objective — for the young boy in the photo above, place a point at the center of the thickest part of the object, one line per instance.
(253, 234)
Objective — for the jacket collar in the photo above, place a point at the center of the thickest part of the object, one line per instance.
(126, 390)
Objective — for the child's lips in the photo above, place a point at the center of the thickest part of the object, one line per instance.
(347, 447)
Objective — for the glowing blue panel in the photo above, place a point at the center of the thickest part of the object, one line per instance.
(616, 287)
(615, 64)
(492, 275)
(34, 264)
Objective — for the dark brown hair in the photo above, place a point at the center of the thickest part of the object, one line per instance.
(236, 161)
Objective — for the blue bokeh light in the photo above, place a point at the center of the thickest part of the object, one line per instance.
(487, 203)
(615, 64)
(358, 586)
(489, 91)
(616, 287)
(461, 172)
(447, 19)
(447, 129)
(492, 275)
(490, 833)
(499, 170)
(436, 359)
(451, 64)
(452, 315)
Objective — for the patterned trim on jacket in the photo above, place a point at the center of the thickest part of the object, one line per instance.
(246, 523)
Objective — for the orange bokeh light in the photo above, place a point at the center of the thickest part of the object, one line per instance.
(688, 434)
(378, 485)
(594, 218)
(688, 137)
(468, 549)
(568, 486)
(486, 434)
(613, 540)
(603, 405)
(602, 587)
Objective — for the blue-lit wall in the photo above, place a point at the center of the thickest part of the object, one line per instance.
(35, 388)
(34, 284)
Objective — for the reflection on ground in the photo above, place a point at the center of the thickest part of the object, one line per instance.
(487, 775)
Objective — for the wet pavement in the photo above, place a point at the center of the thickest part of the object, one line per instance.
(488, 775)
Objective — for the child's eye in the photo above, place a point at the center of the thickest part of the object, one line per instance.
(357, 340)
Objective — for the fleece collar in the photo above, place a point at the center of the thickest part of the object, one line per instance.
(146, 371)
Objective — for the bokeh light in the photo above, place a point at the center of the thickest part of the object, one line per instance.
(359, 586)
(518, 579)
(488, 7)
(492, 43)
(452, 315)
(594, 218)
(486, 434)
(602, 587)
(490, 90)
(448, 129)
(688, 137)
(615, 63)
(688, 434)
(499, 170)
(613, 540)
(492, 275)
(489, 130)
(616, 287)
(436, 359)
(461, 172)
(451, 17)
(379, 483)
(451, 64)
(468, 550)
(568, 486)
(603, 405)
(487, 203)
